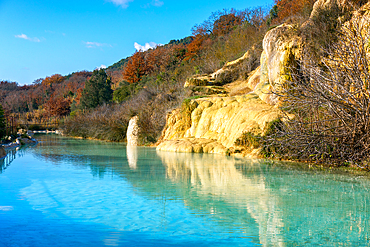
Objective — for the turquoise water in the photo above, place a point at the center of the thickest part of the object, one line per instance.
(66, 192)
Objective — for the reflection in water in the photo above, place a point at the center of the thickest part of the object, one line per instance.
(193, 199)
(291, 206)
(132, 156)
(218, 176)
(12, 154)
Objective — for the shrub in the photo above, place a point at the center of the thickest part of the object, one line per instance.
(249, 140)
(125, 91)
(330, 102)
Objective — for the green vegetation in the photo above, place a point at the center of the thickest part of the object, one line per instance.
(97, 90)
(125, 91)
(264, 141)
(326, 104)
(249, 140)
(99, 104)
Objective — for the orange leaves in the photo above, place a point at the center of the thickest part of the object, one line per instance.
(136, 67)
(154, 60)
(79, 95)
(225, 23)
(287, 8)
(194, 47)
(50, 80)
(219, 24)
(58, 107)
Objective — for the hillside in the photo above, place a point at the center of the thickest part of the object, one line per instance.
(302, 102)
(247, 82)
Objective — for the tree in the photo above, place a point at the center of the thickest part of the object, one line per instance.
(225, 24)
(327, 104)
(2, 123)
(287, 8)
(194, 47)
(124, 92)
(136, 67)
(54, 79)
(97, 90)
(220, 22)
(58, 107)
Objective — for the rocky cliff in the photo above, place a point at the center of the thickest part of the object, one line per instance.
(212, 124)
(239, 101)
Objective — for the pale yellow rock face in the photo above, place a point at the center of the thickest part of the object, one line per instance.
(216, 123)
(133, 132)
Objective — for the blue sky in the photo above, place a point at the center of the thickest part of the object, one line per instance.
(42, 38)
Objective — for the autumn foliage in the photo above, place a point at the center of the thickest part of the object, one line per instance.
(52, 96)
(288, 8)
(57, 107)
(54, 79)
(157, 60)
(136, 67)
(148, 83)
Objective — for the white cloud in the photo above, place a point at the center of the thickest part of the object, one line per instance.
(23, 36)
(145, 47)
(101, 67)
(95, 44)
(123, 3)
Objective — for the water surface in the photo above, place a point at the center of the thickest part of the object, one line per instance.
(67, 192)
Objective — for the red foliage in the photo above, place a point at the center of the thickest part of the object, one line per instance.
(49, 80)
(194, 47)
(287, 8)
(58, 107)
(136, 67)
(220, 23)
(25, 87)
(225, 23)
(79, 95)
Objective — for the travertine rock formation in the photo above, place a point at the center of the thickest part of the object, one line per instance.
(133, 132)
(217, 121)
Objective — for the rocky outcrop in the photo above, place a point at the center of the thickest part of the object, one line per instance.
(213, 124)
(327, 4)
(26, 141)
(216, 123)
(133, 132)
